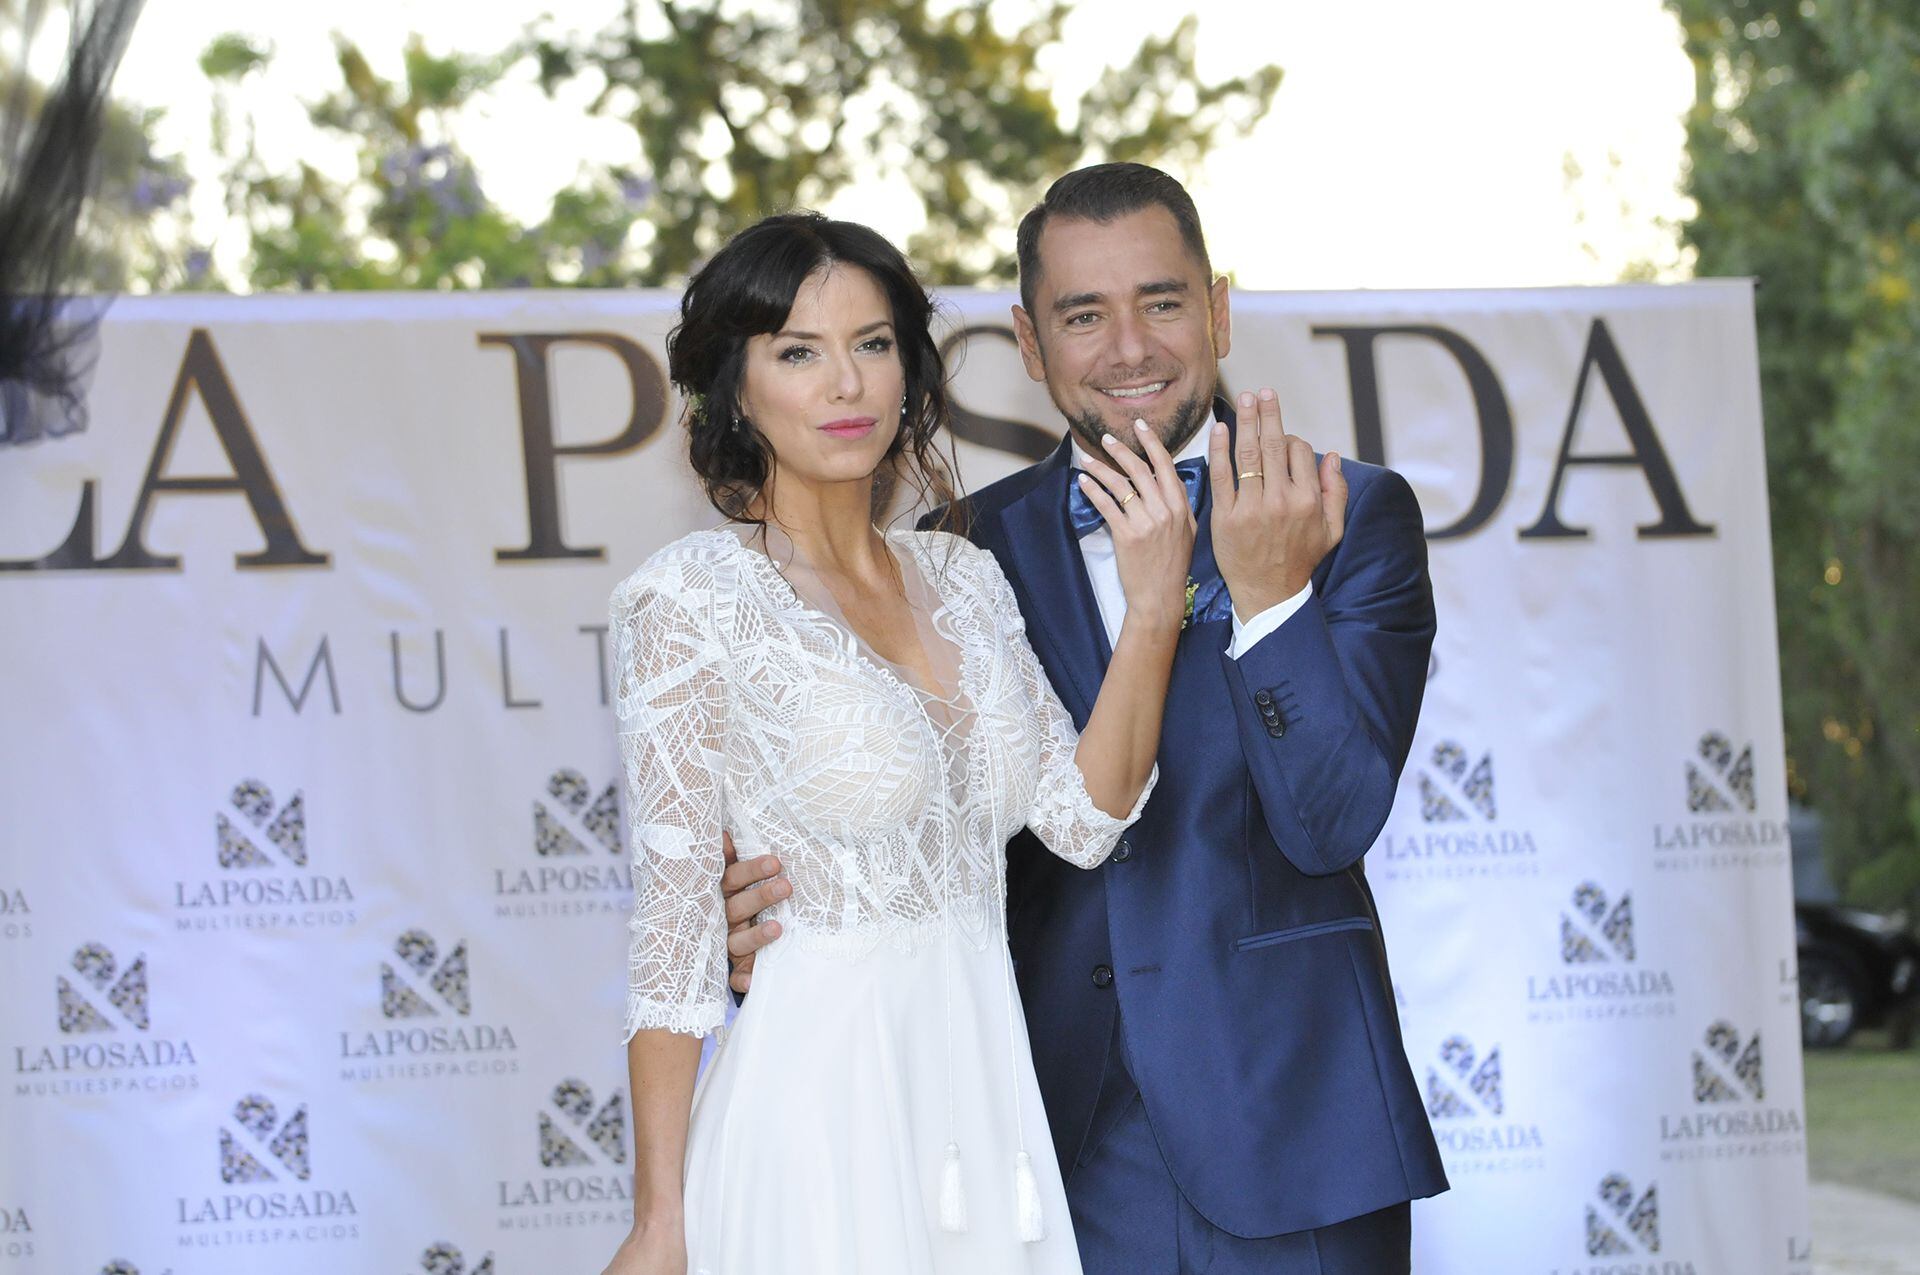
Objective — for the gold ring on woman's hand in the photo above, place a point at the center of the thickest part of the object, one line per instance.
(1251, 473)
(1131, 493)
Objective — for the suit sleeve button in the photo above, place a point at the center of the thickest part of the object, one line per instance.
(1103, 976)
(1263, 698)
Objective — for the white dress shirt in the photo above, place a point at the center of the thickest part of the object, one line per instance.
(1096, 549)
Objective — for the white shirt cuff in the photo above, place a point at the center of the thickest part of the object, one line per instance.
(1247, 636)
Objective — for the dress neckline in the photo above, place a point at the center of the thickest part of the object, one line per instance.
(905, 546)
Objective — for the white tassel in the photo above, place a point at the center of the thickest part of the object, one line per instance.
(1026, 1201)
(953, 1193)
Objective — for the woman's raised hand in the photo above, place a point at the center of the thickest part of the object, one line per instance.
(1145, 505)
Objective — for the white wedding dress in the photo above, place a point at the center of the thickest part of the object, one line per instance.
(873, 1108)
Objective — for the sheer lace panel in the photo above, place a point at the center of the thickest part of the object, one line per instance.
(888, 789)
(670, 699)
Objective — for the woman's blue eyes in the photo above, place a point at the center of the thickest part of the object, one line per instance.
(801, 353)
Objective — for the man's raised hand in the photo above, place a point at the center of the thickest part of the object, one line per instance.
(1275, 513)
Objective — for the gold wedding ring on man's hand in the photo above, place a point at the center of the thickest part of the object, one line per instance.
(1251, 473)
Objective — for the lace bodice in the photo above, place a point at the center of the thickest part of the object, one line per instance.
(742, 707)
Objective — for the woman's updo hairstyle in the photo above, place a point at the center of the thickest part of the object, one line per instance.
(748, 290)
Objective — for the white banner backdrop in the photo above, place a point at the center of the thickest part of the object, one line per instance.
(312, 907)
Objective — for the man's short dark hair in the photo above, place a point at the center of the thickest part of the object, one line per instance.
(1100, 193)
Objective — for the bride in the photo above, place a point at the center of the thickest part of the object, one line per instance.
(862, 703)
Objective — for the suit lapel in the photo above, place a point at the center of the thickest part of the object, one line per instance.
(1056, 597)
(1204, 567)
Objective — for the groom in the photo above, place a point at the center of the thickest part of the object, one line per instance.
(1211, 1017)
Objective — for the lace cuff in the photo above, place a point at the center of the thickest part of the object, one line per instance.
(1066, 819)
(687, 1020)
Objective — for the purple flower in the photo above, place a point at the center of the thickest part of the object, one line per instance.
(636, 191)
(155, 189)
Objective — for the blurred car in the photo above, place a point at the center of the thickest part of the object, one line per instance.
(1857, 969)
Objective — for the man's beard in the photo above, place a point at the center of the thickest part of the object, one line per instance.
(1089, 427)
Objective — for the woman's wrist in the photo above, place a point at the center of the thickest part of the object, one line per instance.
(658, 1212)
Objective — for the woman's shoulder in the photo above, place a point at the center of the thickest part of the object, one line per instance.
(956, 557)
(688, 570)
(946, 548)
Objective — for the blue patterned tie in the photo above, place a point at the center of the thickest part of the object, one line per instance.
(1084, 517)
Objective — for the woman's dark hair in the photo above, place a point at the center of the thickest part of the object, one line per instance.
(747, 290)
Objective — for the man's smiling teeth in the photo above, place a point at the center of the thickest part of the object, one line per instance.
(1138, 391)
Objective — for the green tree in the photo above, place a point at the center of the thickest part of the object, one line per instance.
(736, 113)
(1803, 142)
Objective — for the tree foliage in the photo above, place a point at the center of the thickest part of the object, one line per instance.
(1804, 148)
(736, 112)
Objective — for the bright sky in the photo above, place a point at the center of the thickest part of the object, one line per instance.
(1411, 144)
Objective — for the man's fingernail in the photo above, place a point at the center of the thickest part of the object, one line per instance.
(1139, 424)
(1109, 440)
(1336, 462)
(1219, 429)
(1246, 400)
(1267, 394)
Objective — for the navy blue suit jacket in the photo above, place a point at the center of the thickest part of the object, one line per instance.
(1233, 931)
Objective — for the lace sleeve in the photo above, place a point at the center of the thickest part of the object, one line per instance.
(1063, 815)
(670, 698)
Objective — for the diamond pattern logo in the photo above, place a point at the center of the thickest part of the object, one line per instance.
(419, 987)
(577, 819)
(1462, 1086)
(285, 828)
(445, 1259)
(261, 1138)
(1719, 782)
(1617, 1225)
(1727, 1071)
(1596, 930)
(605, 1129)
(1453, 785)
(105, 997)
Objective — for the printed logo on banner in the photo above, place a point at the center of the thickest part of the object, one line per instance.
(107, 1043)
(582, 1155)
(16, 917)
(1449, 790)
(404, 994)
(283, 1144)
(1727, 1070)
(1617, 1224)
(1623, 1234)
(445, 1259)
(264, 1160)
(1599, 975)
(16, 1233)
(1730, 1117)
(1459, 834)
(574, 864)
(1467, 1103)
(1721, 829)
(427, 1003)
(265, 880)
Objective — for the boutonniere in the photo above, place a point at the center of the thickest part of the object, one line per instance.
(1186, 620)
